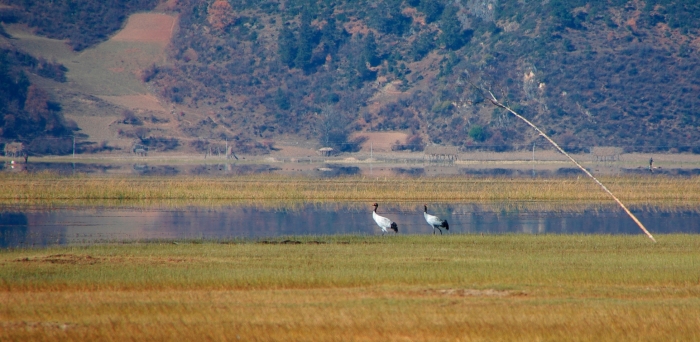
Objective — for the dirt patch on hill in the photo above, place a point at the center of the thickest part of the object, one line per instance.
(134, 102)
(380, 141)
(294, 151)
(147, 27)
(96, 127)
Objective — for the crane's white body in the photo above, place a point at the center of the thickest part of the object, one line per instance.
(383, 222)
(434, 221)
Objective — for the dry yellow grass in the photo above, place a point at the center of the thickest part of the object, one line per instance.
(49, 188)
(461, 287)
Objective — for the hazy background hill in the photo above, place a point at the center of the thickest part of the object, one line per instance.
(186, 74)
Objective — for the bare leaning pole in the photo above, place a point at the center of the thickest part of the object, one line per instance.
(497, 103)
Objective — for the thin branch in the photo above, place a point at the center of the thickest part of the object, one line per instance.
(495, 102)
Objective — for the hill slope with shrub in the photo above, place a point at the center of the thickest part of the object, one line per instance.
(27, 112)
(625, 73)
(590, 73)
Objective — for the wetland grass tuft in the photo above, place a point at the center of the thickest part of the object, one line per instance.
(339, 288)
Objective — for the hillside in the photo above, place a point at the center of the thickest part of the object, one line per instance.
(622, 73)
(27, 112)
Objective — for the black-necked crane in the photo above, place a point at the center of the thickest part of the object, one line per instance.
(383, 222)
(434, 221)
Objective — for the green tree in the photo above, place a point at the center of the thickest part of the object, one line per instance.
(413, 3)
(331, 36)
(388, 18)
(305, 42)
(422, 45)
(453, 36)
(369, 50)
(477, 133)
(286, 47)
(282, 100)
(560, 11)
(363, 73)
(432, 10)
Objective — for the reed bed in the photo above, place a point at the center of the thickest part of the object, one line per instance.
(344, 288)
(49, 188)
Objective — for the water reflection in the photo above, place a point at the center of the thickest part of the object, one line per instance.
(18, 229)
(160, 170)
(143, 169)
(70, 168)
(665, 172)
(322, 169)
(332, 170)
(412, 171)
(37, 226)
(504, 172)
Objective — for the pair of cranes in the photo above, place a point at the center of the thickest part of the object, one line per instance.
(385, 223)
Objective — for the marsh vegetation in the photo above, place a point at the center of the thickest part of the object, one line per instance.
(467, 287)
(352, 287)
(49, 188)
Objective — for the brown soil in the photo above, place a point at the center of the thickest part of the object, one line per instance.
(99, 129)
(293, 151)
(134, 102)
(475, 293)
(71, 259)
(380, 141)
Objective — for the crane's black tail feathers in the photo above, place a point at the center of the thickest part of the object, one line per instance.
(445, 225)
(394, 227)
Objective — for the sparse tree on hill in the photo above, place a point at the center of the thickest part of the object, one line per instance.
(287, 48)
(453, 36)
(305, 43)
(331, 36)
(220, 14)
(282, 99)
(432, 10)
(369, 50)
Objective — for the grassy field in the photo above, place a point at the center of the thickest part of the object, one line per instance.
(49, 188)
(340, 288)
(364, 288)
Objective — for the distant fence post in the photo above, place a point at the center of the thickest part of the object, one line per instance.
(441, 154)
(606, 153)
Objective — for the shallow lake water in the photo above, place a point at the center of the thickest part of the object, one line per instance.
(322, 169)
(36, 226)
